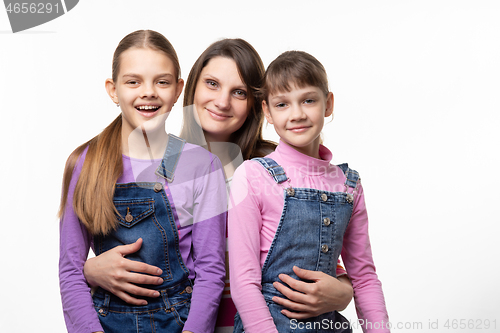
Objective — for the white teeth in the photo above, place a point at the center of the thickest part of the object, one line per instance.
(148, 107)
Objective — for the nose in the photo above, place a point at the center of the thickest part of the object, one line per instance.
(296, 113)
(223, 100)
(148, 91)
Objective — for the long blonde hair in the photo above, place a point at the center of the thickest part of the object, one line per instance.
(94, 191)
(251, 69)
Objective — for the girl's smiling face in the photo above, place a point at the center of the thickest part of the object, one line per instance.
(298, 116)
(146, 87)
(220, 99)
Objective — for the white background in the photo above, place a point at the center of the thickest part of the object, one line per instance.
(417, 107)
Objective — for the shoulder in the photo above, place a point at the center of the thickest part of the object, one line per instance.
(198, 156)
(350, 174)
(74, 163)
(250, 168)
(198, 163)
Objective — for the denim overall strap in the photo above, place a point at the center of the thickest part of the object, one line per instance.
(166, 169)
(352, 176)
(273, 168)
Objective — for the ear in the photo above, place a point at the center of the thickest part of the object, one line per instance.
(329, 104)
(111, 89)
(180, 86)
(267, 113)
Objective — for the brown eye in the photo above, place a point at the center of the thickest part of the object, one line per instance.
(240, 94)
(212, 84)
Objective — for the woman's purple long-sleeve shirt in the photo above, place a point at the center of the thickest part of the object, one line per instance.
(199, 198)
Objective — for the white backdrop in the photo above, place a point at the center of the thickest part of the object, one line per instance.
(417, 107)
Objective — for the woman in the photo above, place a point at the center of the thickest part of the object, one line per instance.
(221, 96)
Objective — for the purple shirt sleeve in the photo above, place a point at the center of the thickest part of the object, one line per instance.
(208, 247)
(78, 307)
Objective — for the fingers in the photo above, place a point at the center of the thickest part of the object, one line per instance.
(300, 311)
(294, 306)
(137, 278)
(300, 286)
(130, 248)
(140, 267)
(129, 299)
(131, 290)
(306, 274)
(298, 315)
(292, 295)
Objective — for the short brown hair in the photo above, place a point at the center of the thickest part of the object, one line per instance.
(293, 67)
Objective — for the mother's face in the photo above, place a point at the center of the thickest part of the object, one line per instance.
(220, 99)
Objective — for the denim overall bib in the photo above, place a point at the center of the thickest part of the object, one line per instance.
(309, 235)
(144, 211)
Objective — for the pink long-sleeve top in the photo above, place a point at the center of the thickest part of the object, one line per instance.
(257, 204)
(198, 195)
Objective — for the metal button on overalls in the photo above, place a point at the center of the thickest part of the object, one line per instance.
(326, 221)
(158, 187)
(324, 197)
(324, 248)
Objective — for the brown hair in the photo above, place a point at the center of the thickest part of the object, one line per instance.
(251, 69)
(294, 67)
(94, 191)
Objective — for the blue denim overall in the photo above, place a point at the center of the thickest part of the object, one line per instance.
(309, 235)
(144, 211)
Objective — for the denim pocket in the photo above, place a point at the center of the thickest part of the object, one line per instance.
(131, 212)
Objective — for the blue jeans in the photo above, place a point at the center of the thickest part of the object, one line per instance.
(309, 235)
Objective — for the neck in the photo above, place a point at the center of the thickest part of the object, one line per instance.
(229, 154)
(143, 144)
(311, 149)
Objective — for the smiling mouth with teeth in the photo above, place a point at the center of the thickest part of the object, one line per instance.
(147, 108)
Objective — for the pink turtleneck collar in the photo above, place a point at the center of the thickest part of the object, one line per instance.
(287, 155)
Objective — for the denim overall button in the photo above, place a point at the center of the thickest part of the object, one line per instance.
(326, 221)
(349, 198)
(129, 217)
(290, 191)
(189, 289)
(158, 187)
(324, 197)
(324, 248)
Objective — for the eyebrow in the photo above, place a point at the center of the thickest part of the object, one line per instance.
(306, 94)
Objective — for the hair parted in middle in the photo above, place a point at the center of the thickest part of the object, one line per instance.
(251, 69)
(293, 68)
(95, 188)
